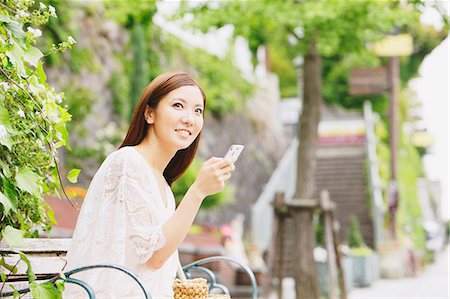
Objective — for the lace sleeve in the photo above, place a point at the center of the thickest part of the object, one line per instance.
(143, 229)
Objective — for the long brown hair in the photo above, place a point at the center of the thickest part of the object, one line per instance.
(152, 95)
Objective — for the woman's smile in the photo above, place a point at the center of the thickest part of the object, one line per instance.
(184, 132)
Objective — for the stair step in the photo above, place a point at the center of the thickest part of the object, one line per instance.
(341, 165)
(347, 196)
(338, 171)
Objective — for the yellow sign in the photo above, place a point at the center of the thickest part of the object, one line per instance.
(422, 139)
(394, 45)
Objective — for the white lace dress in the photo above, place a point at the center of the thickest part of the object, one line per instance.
(120, 223)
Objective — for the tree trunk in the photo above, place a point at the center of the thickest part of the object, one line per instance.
(306, 282)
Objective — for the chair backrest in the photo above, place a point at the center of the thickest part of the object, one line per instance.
(47, 260)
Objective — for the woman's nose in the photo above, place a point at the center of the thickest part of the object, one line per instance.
(188, 118)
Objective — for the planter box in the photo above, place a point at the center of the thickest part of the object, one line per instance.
(393, 263)
(375, 267)
(322, 272)
(363, 272)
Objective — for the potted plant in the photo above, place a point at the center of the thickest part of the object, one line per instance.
(363, 259)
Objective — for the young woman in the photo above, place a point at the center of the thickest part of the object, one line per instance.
(128, 216)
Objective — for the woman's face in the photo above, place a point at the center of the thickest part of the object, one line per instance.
(178, 118)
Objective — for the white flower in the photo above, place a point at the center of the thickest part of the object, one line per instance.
(71, 40)
(42, 5)
(34, 32)
(39, 143)
(3, 132)
(52, 11)
(21, 113)
(4, 85)
(58, 99)
(22, 14)
(44, 112)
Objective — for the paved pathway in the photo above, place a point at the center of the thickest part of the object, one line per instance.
(432, 283)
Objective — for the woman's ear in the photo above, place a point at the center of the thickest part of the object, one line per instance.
(148, 115)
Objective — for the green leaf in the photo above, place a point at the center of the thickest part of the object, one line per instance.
(13, 237)
(5, 19)
(30, 273)
(5, 169)
(15, 55)
(73, 175)
(60, 284)
(44, 290)
(6, 142)
(17, 31)
(42, 77)
(51, 216)
(10, 191)
(62, 134)
(4, 118)
(65, 116)
(27, 181)
(7, 204)
(32, 56)
(11, 268)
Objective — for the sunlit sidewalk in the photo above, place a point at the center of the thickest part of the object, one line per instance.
(432, 283)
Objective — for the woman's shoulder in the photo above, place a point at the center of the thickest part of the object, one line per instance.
(126, 155)
(122, 161)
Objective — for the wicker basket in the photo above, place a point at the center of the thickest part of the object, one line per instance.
(196, 288)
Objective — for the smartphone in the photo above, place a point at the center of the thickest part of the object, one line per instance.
(233, 152)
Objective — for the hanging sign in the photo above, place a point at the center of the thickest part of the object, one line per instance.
(369, 81)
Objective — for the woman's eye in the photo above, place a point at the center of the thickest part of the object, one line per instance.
(178, 105)
(199, 110)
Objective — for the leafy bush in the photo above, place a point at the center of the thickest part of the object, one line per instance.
(32, 122)
(320, 231)
(355, 238)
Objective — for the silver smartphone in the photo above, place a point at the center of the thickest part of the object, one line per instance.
(233, 152)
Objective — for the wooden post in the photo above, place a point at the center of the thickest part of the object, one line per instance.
(338, 254)
(271, 258)
(327, 208)
(332, 240)
(281, 256)
(276, 250)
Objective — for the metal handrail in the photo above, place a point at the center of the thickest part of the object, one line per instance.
(373, 175)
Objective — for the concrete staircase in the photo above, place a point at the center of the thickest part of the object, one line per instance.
(341, 169)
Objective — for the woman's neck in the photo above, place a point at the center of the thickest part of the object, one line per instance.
(157, 156)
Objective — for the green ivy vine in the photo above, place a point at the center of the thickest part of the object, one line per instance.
(32, 122)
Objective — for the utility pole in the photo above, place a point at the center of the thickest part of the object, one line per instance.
(394, 70)
(394, 46)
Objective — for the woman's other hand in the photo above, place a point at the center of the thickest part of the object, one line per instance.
(212, 176)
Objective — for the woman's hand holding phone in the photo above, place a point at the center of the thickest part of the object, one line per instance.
(215, 171)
